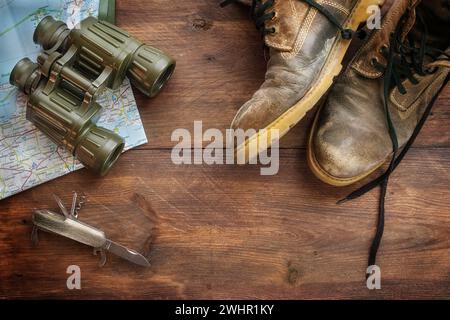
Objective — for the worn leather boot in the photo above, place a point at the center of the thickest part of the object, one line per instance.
(353, 135)
(307, 40)
(378, 107)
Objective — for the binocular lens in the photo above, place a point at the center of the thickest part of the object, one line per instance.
(150, 70)
(99, 149)
(163, 78)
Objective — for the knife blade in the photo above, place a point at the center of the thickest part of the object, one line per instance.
(61, 206)
(126, 253)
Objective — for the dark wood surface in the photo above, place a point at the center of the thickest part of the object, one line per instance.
(226, 231)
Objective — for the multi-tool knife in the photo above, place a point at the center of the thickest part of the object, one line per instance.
(68, 225)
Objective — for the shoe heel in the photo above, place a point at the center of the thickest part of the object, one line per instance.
(360, 13)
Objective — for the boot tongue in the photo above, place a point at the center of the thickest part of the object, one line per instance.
(408, 103)
(436, 12)
(289, 16)
(436, 16)
(380, 38)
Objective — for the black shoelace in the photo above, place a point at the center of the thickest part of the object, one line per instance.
(404, 60)
(260, 16)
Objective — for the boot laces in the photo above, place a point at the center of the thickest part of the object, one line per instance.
(260, 15)
(404, 60)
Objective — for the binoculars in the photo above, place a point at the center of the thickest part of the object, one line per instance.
(75, 67)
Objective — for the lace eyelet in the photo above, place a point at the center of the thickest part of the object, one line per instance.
(347, 34)
(383, 48)
(373, 61)
(274, 17)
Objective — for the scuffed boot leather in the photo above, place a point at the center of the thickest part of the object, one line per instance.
(306, 51)
(350, 138)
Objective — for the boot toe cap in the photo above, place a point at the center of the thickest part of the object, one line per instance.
(256, 114)
(344, 154)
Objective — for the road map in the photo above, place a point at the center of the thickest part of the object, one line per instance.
(27, 157)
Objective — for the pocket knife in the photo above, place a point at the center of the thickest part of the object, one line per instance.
(68, 225)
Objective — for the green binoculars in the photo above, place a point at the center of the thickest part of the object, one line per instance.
(72, 71)
(102, 49)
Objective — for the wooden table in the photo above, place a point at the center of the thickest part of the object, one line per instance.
(226, 231)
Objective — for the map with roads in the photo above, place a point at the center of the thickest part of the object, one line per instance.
(27, 157)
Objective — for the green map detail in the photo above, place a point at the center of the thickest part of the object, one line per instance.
(37, 11)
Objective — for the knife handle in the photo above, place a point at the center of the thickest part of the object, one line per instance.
(68, 227)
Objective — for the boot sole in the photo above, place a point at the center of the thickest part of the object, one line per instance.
(321, 173)
(330, 70)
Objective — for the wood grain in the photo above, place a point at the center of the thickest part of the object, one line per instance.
(226, 231)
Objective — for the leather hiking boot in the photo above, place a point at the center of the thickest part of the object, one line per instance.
(307, 40)
(380, 102)
(378, 107)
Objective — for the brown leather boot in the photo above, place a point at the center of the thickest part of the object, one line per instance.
(351, 137)
(382, 101)
(307, 40)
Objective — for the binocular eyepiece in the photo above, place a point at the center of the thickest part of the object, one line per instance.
(75, 67)
(25, 75)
